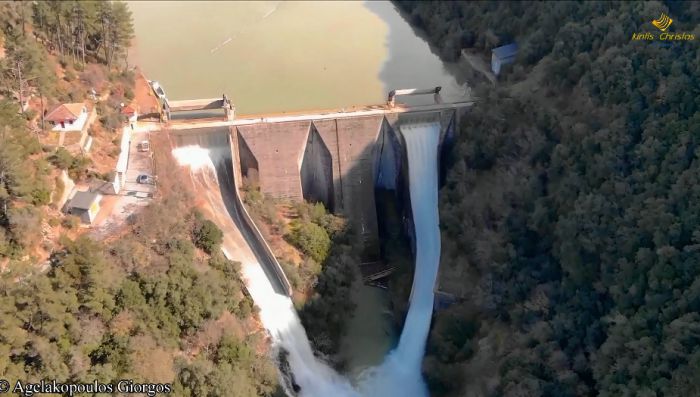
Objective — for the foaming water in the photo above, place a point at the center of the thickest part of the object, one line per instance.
(400, 373)
(194, 157)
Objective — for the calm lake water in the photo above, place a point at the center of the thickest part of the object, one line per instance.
(286, 56)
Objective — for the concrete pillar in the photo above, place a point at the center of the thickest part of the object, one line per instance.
(230, 112)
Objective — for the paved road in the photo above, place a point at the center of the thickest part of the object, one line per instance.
(139, 163)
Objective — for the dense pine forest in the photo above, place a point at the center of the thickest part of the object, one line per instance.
(571, 210)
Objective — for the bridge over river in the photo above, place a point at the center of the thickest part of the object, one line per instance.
(337, 156)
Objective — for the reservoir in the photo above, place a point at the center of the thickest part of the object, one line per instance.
(284, 56)
(287, 56)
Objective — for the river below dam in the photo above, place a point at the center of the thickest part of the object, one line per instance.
(287, 56)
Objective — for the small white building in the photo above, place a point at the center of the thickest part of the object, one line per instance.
(68, 117)
(122, 161)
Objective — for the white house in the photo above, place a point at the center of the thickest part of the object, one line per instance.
(68, 117)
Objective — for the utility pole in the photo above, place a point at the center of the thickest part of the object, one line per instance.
(24, 30)
(19, 80)
(41, 98)
(2, 174)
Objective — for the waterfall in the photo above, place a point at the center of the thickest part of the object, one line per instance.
(400, 373)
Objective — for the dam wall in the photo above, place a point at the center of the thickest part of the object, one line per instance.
(328, 161)
(337, 161)
(336, 157)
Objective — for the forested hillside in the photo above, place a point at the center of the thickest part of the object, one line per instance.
(158, 304)
(51, 52)
(155, 301)
(571, 211)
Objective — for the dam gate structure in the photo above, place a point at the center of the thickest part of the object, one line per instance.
(336, 157)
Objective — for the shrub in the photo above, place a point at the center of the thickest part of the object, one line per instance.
(111, 120)
(30, 114)
(292, 273)
(309, 271)
(79, 168)
(69, 76)
(245, 308)
(311, 239)
(41, 196)
(62, 159)
(207, 235)
(317, 213)
(253, 197)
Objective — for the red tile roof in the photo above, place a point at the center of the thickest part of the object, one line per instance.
(65, 111)
(129, 109)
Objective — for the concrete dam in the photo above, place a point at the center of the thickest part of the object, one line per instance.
(336, 161)
(334, 157)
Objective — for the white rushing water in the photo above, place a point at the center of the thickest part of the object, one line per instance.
(400, 373)
(277, 314)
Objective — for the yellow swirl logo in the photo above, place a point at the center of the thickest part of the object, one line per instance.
(666, 38)
(663, 22)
